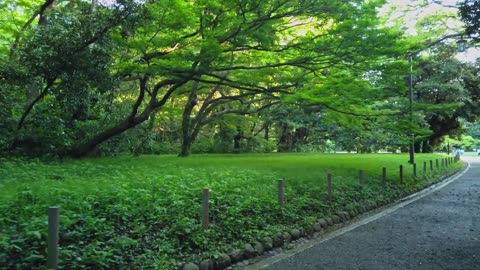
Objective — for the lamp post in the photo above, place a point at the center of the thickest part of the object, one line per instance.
(411, 149)
(461, 47)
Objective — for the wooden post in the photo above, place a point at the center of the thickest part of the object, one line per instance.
(53, 228)
(414, 169)
(384, 175)
(329, 187)
(205, 208)
(436, 163)
(401, 173)
(431, 165)
(281, 192)
(424, 167)
(361, 177)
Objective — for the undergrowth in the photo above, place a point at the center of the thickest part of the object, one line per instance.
(144, 212)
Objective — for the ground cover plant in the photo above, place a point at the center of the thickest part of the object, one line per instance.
(144, 212)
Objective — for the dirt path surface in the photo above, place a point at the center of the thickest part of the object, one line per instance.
(438, 231)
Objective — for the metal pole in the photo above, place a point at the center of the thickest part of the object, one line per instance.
(384, 175)
(401, 173)
(205, 208)
(53, 228)
(410, 99)
(329, 187)
(281, 192)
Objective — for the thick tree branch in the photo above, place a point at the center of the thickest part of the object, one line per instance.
(141, 96)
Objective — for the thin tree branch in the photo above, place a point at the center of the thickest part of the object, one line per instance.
(32, 104)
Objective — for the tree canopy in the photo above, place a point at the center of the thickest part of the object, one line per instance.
(470, 14)
(82, 77)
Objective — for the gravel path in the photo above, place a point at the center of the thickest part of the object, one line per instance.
(438, 231)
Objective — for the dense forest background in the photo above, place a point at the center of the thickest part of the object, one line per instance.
(91, 78)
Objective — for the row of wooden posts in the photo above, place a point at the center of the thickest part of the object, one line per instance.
(445, 162)
(54, 211)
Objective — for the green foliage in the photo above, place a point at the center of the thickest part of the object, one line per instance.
(143, 212)
(446, 90)
(472, 129)
(465, 142)
(470, 13)
(108, 70)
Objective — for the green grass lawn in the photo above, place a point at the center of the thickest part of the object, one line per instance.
(144, 212)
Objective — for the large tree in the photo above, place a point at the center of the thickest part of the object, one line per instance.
(96, 73)
(446, 91)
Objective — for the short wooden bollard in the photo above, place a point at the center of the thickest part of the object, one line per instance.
(384, 175)
(205, 208)
(329, 187)
(443, 162)
(401, 173)
(414, 169)
(424, 167)
(53, 228)
(361, 177)
(436, 163)
(431, 165)
(281, 192)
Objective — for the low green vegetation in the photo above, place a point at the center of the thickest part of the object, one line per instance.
(144, 212)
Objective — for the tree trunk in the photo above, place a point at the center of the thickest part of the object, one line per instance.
(285, 143)
(236, 140)
(427, 147)
(130, 122)
(186, 146)
(418, 147)
(187, 131)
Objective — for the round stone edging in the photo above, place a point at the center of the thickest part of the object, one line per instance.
(270, 246)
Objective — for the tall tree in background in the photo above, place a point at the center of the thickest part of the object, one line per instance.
(446, 91)
(470, 14)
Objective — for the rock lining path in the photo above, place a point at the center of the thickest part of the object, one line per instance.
(438, 231)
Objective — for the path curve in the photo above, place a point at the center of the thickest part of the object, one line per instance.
(435, 230)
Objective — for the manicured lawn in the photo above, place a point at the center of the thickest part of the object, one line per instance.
(144, 212)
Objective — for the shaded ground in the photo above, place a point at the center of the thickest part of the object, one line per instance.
(439, 231)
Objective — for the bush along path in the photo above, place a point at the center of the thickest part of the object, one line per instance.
(118, 213)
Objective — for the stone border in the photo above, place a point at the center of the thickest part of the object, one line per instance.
(276, 244)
